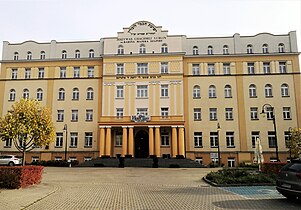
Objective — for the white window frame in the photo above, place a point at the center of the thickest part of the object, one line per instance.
(91, 53)
(230, 139)
(254, 113)
(165, 139)
(212, 114)
(196, 91)
(142, 68)
(14, 74)
(90, 93)
(252, 91)
(142, 49)
(88, 139)
(212, 91)
(265, 48)
(266, 68)
(74, 115)
(254, 135)
(251, 68)
(198, 139)
(284, 90)
(231, 162)
(120, 91)
(142, 91)
(195, 69)
(286, 113)
(229, 113)
(41, 73)
(61, 95)
(75, 94)
(249, 49)
(214, 139)
(63, 72)
(282, 67)
(226, 68)
(76, 72)
(119, 112)
(211, 69)
(164, 112)
(59, 139)
(26, 93)
(120, 68)
(228, 91)
(90, 71)
(272, 139)
(164, 90)
(268, 90)
(164, 48)
(39, 94)
(195, 50)
(225, 49)
(197, 114)
(89, 115)
(142, 111)
(164, 67)
(27, 73)
(12, 95)
(60, 115)
(77, 54)
(73, 140)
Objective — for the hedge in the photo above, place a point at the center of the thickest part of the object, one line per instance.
(15, 177)
(272, 167)
(56, 163)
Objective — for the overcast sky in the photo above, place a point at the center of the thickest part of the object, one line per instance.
(69, 20)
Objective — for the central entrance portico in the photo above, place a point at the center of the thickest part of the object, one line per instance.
(141, 144)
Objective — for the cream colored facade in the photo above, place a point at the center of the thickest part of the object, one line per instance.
(159, 94)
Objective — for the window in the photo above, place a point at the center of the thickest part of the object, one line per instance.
(164, 67)
(8, 143)
(27, 73)
(226, 68)
(14, 74)
(287, 136)
(59, 140)
(91, 53)
(73, 139)
(213, 113)
(210, 50)
(86, 159)
(252, 91)
(74, 115)
(77, 54)
(164, 90)
(72, 159)
(231, 162)
(212, 91)
(142, 91)
(142, 111)
(254, 113)
(90, 71)
(88, 139)
(142, 49)
(273, 160)
(230, 139)
(120, 50)
(266, 68)
(26, 93)
(142, 68)
(164, 48)
(164, 112)
(118, 138)
(272, 139)
(195, 50)
(251, 68)
(60, 115)
(228, 91)
(254, 136)
(281, 48)
(211, 70)
(284, 90)
(29, 55)
(61, 94)
(90, 93)
(64, 54)
(12, 95)
(197, 114)
(89, 115)
(229, 113)
(58, 158)
(120, 68)
(41, 73)
(286, 113)
(75, 94)
(269, 113)
(198, 139)
(42, 55)
(195, 69)
(119, 91)
(268, 91)
(119, 112)
(63, 72)
(16, 56)
(34, 159)
(213, 139)
(249, 49)
(164, 139)
(225, 49)
(196, 91)
(76, 72)
(265, 48)
(39, 94)
(282, 67)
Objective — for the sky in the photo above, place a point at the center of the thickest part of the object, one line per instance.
(72, 20)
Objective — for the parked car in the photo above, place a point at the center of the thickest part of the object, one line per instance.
(10, 160)
(288, 182)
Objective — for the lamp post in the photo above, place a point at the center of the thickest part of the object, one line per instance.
(290, 130)
(66, 130)
(263, 111)
(218, 149)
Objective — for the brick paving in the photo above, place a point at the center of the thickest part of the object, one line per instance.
(134, 188)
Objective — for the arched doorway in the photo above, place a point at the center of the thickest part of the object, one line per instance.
(141, 144)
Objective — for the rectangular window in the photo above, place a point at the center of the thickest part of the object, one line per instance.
(164, 112)
(74, 115)
(86, 159)
(27, 73)
(211, 70)
(254, 136)
(119, 92)
(164, 67)
(230, 139)
(286, 113)
(272, 139)
(76, 72)
(195, 69)
(164, 139)
(89, 115)
(226, 68)
(8, 143)
(120, 68)
(119, 112)
(254, 113)
(88, 139)
(269, 113)
(63, 72)
(231, 162)
(59, 140)
(287, 136)
(251, 68)
(213, 113)
(266, 68)
(142, 68)
(229, 113)
(14, 74)
(73, 139)
(213, 139)
(197, 114)
(164, 90)
(91, 71)
(58, 158)
(142, 111)
(142, 91)
(60, 115)
(41, 73)
(118, 140)
(282, 67)
(34, 159)
(198, 139)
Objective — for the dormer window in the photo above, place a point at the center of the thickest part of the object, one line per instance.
(77, 54)
(210, 50)
(91, 53)
(265, 48)
(281, 48)
(249, 49)
(42, 56)
(225, 49)
(195, 50)
(29, 55)
(164, 48)
(64, 54)
(142, 49)
(120, 50)
(16, 56)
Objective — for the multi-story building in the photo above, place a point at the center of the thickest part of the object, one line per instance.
(146, 93)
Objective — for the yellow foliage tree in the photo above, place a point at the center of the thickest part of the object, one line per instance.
(294, 143)
(28, 124)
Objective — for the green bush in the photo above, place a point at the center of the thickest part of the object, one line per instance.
(55, 163)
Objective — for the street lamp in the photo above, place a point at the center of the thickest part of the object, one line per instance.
(272, 116)
(66, 130)
(218, 151)
(290, 130)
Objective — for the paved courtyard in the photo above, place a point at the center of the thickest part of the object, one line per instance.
(137, 188)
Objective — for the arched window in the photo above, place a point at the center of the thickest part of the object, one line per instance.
(39, 94)
(61, 94)
(265, 48)
(284, 90)
(196, 91)
(252, 91)
(228, 91)
(120, 50)
(210, 50)
(90, 93)
(164, 48)
(91, 53)
(142, 49)
(26, 93)
(29, 55)
(42, 55)
(64, 54)
(281, 48)
(195, 50)
(212, 91)
(268, 90)
(75, 94)
(16, 56)
(225, 49)
(77, 54)
(249, 49)
(12, 95)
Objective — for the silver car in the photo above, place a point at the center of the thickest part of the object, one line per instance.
(10, 160)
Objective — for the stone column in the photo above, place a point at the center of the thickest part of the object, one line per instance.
(131, 140)
(102, 141)
(181, 141)
(157, 141)
(124, 141)
(174, 141)
(151, 139)
(108, 141)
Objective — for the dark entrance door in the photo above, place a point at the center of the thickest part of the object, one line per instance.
(141, 145)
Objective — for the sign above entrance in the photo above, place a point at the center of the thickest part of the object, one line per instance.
(140, 118)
